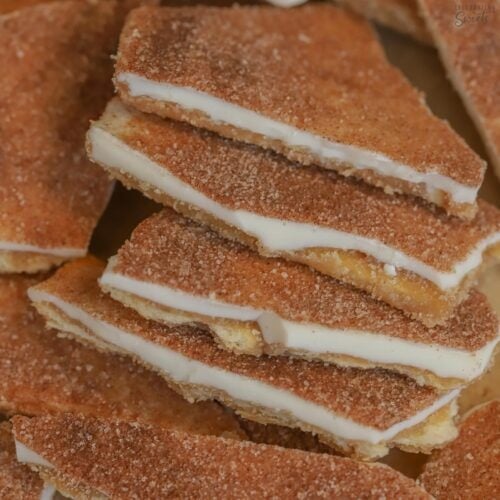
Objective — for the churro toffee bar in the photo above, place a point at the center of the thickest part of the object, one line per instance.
(357, 114)
(360, 412)
(395, 248)
(148, 462)
(175, 271)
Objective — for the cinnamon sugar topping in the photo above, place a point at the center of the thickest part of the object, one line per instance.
(42, 373)
(374, 398)
(257, 58)
(169, 250)
(55, 78)
(243, 177)
(137, 461)
(468, 466)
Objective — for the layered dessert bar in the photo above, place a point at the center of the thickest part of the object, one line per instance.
(312, 83)
(361, 413)
(396, 249)
(175, 271)
(43, 373)
(140, 461)
(55, 78)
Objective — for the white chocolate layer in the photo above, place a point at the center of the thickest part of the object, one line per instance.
(219, 110)
(28, 456)
(314, 338)
(183, 369)
(48, 491)
(273, 234)
(69, 253)
(286, 3)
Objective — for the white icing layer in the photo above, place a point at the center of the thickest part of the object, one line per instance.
(375, 347)
(48, 492)
(219, 110)
(69, 253)
(274, 234)
(286, 3)
(183, 369)
(28, 456)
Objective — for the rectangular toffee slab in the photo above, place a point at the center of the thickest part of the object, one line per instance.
(395, 248)
(360, 412)
(55, 78)
(175, 271)
(149, 462)
(43, 373)
(312, 83)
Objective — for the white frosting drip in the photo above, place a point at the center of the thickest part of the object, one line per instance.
(314, 338)
(286, 3)
(183, 369)
(48, 492)
(219, 110)
(274, 234)
(28, 456)
(69, 253)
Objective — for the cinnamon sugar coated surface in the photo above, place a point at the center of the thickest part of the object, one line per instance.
(17, 481)
(42, 373)
(470, 51)
(471, 48)
(170, 250)
(58, 63)
(467, 468)
(376, 398)
(137, 461)
(257, 58)
(243, 177)
(400, 15)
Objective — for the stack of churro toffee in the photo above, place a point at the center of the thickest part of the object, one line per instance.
(317, 270)
(315, 264)
(56, 71)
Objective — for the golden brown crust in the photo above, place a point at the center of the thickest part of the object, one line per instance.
(400, 15)
(27, 262)
(17, 481)
(144, 462)
(468, 467)
(58, 79)
(370, 397)
(468, 39)
(168, 250)
(42, 373)
(187, 47)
